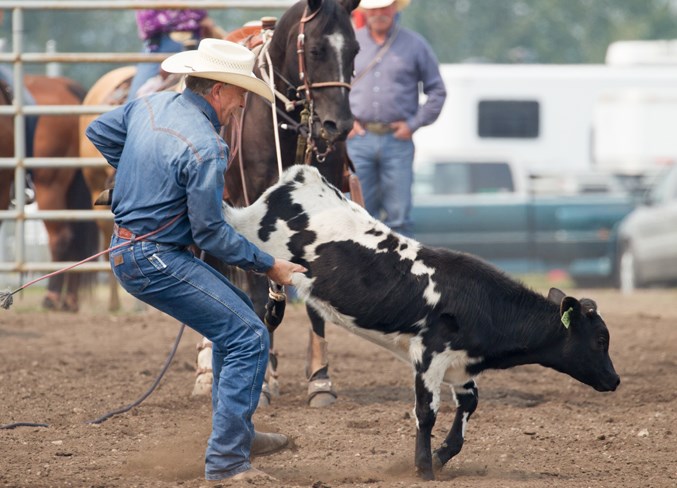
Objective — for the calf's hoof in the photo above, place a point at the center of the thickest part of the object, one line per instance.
(425, 474)
(437, 462)
(203, 385)
(320, 393)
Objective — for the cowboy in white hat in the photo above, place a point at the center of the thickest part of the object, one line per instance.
(392, 63)
(170, 162)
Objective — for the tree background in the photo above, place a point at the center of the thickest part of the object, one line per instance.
(491, 31)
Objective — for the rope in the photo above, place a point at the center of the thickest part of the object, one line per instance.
(124, 409)
(7, 299)
(150, 390)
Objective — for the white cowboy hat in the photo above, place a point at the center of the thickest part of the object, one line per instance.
(369, 4)
(220, 60)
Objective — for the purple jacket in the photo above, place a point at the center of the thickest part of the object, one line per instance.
(153, 22)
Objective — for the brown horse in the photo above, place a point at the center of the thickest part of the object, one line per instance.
(56, 188)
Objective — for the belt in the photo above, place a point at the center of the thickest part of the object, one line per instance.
(379, 128)
(123, 233)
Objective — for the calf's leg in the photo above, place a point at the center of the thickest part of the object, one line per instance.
(426, 414)
(466, 402)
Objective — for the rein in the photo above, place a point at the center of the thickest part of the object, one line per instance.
(6, 298)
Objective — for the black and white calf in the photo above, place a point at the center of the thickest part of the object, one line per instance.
(449, 314)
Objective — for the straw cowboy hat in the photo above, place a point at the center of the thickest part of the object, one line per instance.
(220, 60)
(369, 4)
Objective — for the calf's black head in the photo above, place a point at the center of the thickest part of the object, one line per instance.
(585, 354)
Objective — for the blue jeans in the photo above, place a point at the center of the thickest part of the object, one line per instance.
(384, 166)
(172, 280)
(145, 71)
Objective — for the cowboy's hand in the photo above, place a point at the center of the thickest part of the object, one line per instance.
(282, 271)
(401, 130)
(357, 130)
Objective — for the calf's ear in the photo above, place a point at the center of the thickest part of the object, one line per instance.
(569, 309)
(555, 295)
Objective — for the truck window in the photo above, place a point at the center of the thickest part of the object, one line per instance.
(515, 119)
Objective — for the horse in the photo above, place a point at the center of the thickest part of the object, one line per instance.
(55, 188)
(311, 55)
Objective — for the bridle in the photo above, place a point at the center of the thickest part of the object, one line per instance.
(306, 144)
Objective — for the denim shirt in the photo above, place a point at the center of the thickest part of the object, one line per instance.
(170, 159)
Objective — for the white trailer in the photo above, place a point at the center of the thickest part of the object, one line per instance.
(635, 130)
(542, 116)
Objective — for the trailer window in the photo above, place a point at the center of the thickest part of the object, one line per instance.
(517, 119)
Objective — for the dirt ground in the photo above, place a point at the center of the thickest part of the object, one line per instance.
(533, 427)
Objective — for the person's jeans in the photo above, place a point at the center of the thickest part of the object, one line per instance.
(384, 166)
(145, 71)
(174, 281)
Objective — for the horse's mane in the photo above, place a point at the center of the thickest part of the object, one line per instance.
(329, 12)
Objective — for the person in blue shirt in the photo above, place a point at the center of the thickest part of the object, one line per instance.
(392, 63)
(170, 162)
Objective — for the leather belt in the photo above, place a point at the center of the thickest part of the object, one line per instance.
(123, 233)
(379, 128)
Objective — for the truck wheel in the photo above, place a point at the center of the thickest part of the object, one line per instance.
(627, 271)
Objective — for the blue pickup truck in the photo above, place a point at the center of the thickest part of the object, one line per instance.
(493, 210)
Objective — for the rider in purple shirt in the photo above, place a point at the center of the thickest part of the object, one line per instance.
(167, 31)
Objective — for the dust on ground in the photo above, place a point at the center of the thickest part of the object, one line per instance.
(533, 427)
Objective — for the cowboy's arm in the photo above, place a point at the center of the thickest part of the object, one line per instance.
(108, 133)
(211, 232)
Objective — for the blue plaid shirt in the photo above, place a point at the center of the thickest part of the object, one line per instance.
(170, 159)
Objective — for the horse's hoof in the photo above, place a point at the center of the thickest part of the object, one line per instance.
(264, 398)
(320, 393)
(48, 303)
(274, 387)
(203, 385)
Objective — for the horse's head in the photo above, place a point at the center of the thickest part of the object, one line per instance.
(319, 50)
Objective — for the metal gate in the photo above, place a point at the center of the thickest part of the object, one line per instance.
(20, 162)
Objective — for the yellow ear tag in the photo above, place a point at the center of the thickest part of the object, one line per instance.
(566, 317)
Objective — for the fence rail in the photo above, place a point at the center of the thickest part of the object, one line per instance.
(20, 163)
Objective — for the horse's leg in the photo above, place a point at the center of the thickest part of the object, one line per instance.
(50, 194)
(320, 390)
(466, 402)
